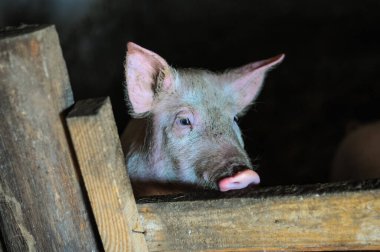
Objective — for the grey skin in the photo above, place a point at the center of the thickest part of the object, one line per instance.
(184, 133)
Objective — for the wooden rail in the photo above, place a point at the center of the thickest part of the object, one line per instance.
(97, 145)
(297, 218)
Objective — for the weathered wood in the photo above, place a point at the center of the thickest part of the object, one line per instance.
(41, 204)
(101, 160)
(299, 218)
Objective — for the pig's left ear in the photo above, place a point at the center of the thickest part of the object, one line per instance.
(247, 81)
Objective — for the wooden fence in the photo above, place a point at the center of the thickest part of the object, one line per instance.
(64, 185)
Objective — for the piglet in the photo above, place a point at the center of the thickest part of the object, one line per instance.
(184, 133)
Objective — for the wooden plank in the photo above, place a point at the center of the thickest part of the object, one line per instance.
(101, 160)
(298, 218)
(41, 204)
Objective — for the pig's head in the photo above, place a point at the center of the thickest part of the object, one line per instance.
(191, 133)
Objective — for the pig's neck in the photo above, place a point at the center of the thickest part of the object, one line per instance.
(142, 148)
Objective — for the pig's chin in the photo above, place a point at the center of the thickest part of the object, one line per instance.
(155, 188)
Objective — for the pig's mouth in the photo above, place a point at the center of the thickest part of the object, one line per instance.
(240, 178)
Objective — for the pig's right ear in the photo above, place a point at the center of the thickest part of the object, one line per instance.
(146, 74)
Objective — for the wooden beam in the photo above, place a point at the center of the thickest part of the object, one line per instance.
(101, 160)
(297, 218)
(41, 204)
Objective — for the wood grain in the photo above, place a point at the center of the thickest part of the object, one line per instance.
(41, 204)
(300, 220)
(97, 145)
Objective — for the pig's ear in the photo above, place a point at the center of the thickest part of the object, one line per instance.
(146, 74)
(247, 81)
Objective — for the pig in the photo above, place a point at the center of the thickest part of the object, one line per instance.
(184, 133)
(358, 154)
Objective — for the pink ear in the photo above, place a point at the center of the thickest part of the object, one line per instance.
(146, 72)
(247, 81)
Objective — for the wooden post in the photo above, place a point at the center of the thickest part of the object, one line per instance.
(101, 160)
(41, 204)
(289, 218)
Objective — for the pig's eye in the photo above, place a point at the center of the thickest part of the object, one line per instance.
(184, 121)
(236, 119)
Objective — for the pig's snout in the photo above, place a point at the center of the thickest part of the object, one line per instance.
(239, 180)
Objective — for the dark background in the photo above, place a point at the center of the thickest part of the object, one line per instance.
(329, 79)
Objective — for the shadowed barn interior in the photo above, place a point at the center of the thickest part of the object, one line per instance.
(328, 80)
